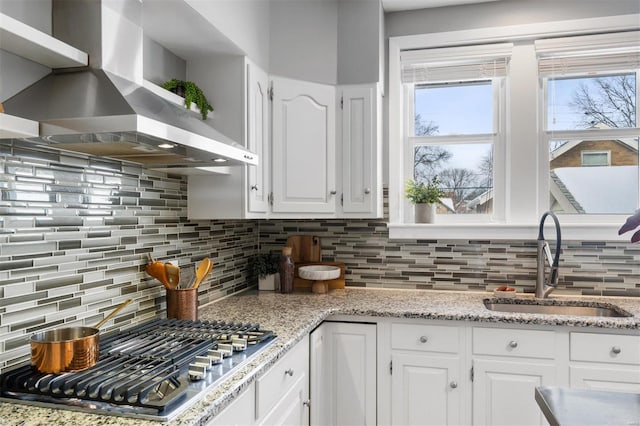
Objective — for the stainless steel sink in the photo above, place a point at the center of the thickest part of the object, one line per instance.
(555, 308)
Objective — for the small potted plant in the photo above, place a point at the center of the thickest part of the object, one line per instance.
(191, 93)
(265, 267)
(425, 197)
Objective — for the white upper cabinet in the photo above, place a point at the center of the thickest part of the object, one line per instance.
(361, 151)
(304, 143)
(258, 138)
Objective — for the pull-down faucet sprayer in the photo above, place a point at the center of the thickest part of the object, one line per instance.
(544, 288)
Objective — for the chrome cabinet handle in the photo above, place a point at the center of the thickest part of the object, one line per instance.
(513, 344)
(307, 403)
(254, 187)
(289, 372)
(367, 190)
(453, 384)
(423, 339)
(616, 350)
(334, 192)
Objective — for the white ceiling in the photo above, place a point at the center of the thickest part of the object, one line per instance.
(397, 5)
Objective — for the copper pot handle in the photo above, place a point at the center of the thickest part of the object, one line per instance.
(115, 311)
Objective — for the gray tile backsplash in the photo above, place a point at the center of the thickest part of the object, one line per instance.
(75, 233)
(74, 237)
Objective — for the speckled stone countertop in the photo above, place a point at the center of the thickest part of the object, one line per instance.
(292, 316)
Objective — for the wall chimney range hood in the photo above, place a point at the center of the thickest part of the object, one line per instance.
(107, 109)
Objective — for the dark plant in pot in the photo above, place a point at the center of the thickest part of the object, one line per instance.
(632, 223)
(191, 93)
(265, 267)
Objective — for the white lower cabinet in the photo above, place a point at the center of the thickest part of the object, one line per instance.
(503, 391)
(241, 412)
(508, 364)
(282, 393)
(427, 380)
(608, 362)
(343, 374)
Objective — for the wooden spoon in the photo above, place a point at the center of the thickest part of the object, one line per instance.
(157, 270)
(173, 275)
(203, 270)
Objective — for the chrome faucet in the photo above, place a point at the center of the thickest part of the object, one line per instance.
(544, 288)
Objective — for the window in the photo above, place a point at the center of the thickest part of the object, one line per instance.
(543, 155)
(596, 158)
(591, 96)
(453, 105)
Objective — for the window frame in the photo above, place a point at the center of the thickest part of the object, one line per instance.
(524, 195)
(496, 138)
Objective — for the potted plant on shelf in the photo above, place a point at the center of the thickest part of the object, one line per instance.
(425, 197)
(191, 93)
(265, 266)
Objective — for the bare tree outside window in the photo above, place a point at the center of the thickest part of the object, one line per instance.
(427, 159)
(608, 100)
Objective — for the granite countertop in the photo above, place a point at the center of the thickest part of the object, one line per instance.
(292, 316)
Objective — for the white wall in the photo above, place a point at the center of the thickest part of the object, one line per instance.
(245, 23)
(160, 64)
(501, 13)
(358, 41)
(18, 73)
(304, 40)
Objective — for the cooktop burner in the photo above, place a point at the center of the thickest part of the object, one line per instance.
(154, 370)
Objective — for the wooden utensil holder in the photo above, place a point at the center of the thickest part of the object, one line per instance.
(182, 303)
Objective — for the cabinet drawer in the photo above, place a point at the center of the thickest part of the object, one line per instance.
(514, 342)
(605, 348)
(275, 383)
(423, 337)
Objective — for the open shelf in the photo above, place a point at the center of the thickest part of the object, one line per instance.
(35, 45)
(17, 127)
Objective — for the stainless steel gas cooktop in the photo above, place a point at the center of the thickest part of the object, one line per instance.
(155, 370)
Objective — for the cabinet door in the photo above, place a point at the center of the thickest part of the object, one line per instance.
(425, 390)
(240, 412)
(503, 391)
(257, 138)
(292, 410)
(617, 378)
(343, 374)
(361, 171)
(303, 147)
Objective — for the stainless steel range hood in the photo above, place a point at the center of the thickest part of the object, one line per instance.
(105, 109)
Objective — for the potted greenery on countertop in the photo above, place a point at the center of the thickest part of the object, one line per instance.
(425, 197)
(191, 93)
(265, 266)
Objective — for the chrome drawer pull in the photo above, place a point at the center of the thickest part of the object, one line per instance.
(616, 350)
(453, 384)
(513, 344)
(423, 339)
(289, 372)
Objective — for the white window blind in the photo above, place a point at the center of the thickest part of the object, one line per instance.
(462, 63)
(589, 54)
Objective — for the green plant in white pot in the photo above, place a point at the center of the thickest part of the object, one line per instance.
(425, 196)
(265, 267)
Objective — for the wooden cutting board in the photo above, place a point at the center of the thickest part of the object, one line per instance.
(305, 248)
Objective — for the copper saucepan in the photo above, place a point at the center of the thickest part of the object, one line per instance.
(68, 349)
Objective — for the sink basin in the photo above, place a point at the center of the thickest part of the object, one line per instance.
(549, 307)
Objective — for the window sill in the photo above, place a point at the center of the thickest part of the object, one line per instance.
(501, 231)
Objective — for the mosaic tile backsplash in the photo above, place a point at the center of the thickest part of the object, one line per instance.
(75, 233)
